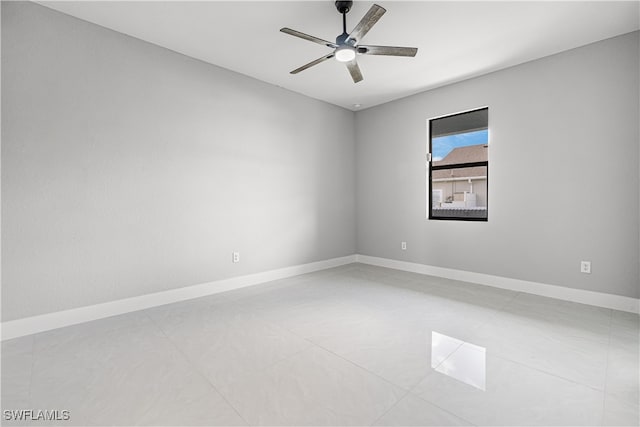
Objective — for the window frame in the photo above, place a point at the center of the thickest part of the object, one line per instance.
(431, 168)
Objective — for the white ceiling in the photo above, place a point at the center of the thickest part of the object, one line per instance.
(456, 40)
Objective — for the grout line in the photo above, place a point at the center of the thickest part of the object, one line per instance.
(33, 362)
(606, 369)
(433, 369)
(389, 410)
(410, 390)
(510, 300)
(403, 389)
(443, 409)
(551, 374)
(320, 346)
(196, 369)
(446, 358)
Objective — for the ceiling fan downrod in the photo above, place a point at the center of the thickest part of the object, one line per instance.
(343, 7)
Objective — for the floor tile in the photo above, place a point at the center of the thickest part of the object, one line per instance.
(623, 374)
(87, 332)
(396, 349)
(413, 411)
(304, 312)
(228, 351)
(620, 412)
(198, 311)
(624, 321)
(548, 346)
(314, 387)
(464, 292)
(570, 318)
(17, 359)
(467, 364)
(514, 395)
(128, 376)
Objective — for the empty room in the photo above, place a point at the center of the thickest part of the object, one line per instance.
(320, 213)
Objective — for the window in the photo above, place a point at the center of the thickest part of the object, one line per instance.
(459, 166)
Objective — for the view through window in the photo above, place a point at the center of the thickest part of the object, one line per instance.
(459, 166)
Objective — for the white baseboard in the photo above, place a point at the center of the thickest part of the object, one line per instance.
(32, 325)
(616, 302)
(59, 319)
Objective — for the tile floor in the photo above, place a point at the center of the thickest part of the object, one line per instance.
(354, 345)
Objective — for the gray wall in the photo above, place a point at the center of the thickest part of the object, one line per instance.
(129, 169)
(571, 118)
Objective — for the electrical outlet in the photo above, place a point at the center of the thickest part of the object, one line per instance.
(585, 267)
(236, 257)
(404, 246)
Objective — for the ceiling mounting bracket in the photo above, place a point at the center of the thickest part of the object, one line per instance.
(344, 6)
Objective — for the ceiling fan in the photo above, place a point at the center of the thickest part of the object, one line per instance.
(347, 45)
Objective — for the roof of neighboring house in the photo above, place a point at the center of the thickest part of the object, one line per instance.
(470, 154)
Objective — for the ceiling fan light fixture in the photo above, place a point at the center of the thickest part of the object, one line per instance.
(345, 54)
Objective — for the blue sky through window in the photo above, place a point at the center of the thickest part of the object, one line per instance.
(444, 144)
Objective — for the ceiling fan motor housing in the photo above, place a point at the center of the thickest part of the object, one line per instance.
(344, 6)
(341, 40)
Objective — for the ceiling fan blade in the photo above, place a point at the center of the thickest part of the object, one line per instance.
(354, 70)
(312, 63)
(388, 50)
(308, 37)
(367, 21)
